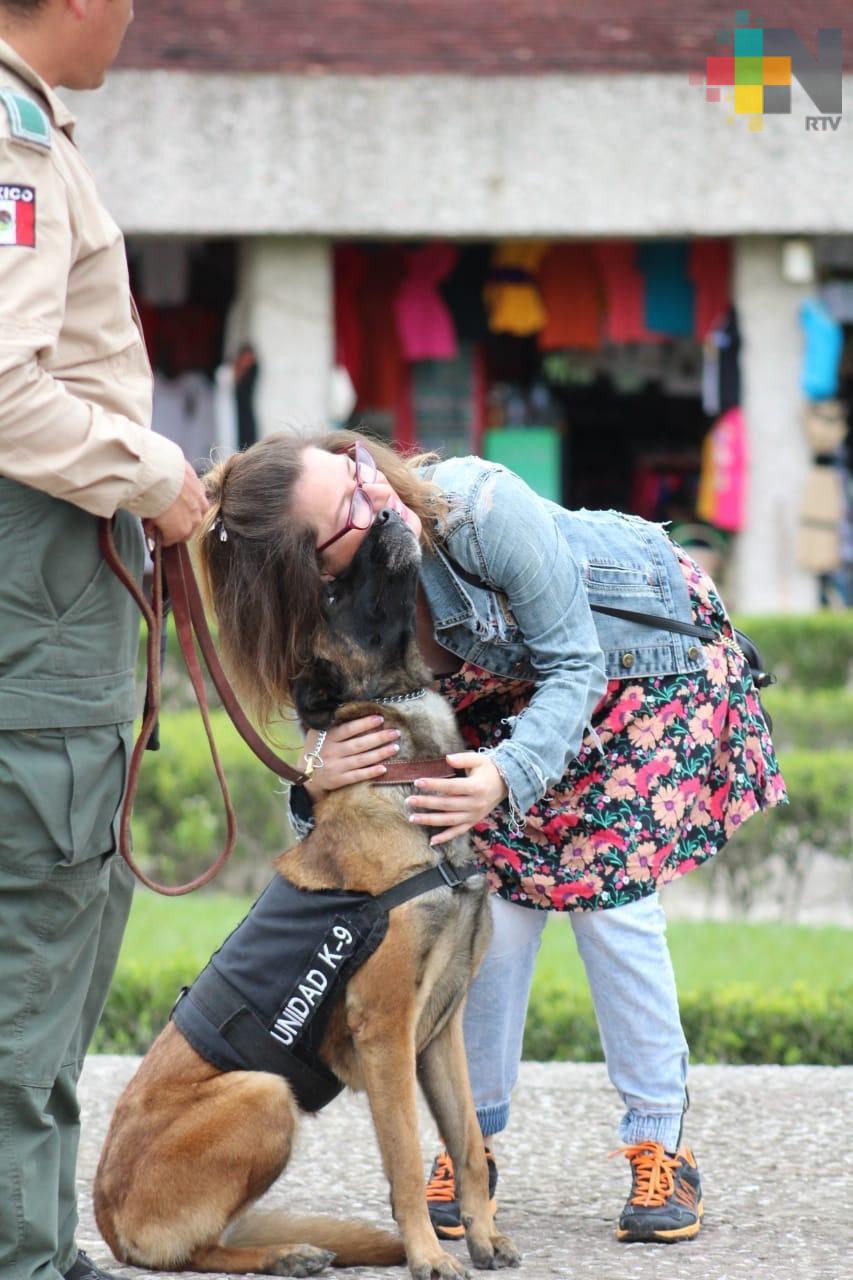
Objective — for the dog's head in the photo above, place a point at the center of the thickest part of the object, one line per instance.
(365, 645)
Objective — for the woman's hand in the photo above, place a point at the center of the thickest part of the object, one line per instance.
(457, 803)
(352, 752)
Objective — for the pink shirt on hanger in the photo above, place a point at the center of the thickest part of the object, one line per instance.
(424, 322)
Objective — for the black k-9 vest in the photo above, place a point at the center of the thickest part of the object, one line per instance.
(264, 1000)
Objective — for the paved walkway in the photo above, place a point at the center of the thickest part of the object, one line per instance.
(773, 1145)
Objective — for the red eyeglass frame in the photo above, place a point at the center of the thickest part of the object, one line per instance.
(361, 456)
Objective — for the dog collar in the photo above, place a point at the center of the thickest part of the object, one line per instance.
(401, 697)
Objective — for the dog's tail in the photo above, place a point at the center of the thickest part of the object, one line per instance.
(354, 1244)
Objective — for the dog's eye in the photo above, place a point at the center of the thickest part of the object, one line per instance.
(376, 641)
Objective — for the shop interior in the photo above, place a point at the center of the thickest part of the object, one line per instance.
(594, 369)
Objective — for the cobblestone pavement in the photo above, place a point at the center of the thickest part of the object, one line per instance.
(773, 1145)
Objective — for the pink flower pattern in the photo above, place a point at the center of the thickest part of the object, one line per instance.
(687, 760)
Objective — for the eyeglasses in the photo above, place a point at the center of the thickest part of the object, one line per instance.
(361, 513)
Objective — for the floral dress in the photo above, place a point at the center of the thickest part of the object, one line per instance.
(674, 764)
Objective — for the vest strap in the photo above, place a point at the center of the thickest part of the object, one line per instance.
(433, 878)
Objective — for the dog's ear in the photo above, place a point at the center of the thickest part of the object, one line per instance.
(318, 692)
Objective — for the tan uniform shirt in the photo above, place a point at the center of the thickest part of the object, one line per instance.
(75, 381)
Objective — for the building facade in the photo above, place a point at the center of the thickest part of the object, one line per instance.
(266, 138)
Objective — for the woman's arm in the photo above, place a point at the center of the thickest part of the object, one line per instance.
(511, 541)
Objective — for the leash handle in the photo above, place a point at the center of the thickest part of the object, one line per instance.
(153, 615)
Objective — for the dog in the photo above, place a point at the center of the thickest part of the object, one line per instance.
(195, 1138)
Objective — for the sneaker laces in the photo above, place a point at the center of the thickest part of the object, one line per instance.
(442, 1181)
(653, 1171)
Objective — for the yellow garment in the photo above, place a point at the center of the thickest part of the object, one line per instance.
(516, 306)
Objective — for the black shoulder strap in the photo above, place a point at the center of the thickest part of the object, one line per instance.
(433, 878)
(629, 615)
(658, 620)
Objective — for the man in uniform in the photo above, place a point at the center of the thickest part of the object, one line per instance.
(75, 444)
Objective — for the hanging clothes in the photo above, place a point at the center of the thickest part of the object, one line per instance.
(424, 323)
(721, 365)
(571, 288)
(462, 290)
(382, 364)
(822, 507)
(350, 268)
(624, 292)
(188, 338)
(669, 291)
(722, 481)
(184, 411)
(513, 301)
(824, 341)
(838, 296)
(710, 269)
(163, 272)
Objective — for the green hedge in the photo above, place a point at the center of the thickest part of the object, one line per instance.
(179, 813)
(179, 817)
(819, 815)
(739, 1024)
(814, 651)
(807, 718)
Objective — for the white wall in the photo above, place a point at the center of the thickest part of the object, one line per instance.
(765, 575)
(202, 153)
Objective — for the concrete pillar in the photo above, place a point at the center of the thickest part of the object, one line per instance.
(765, 577)
(284, 307)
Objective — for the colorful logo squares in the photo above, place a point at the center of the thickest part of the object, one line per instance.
(762, 85)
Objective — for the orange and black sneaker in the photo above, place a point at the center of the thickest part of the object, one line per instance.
(665, 1203)
(441, 1196)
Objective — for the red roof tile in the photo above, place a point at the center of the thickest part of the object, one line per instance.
(475, 37)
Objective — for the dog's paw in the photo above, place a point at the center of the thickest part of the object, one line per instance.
(302, 1260)
(506, 1254)
(442, 1267)
(497, 1251)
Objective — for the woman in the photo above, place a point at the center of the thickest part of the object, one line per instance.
(607, 757)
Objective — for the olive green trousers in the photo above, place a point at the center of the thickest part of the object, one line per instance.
(64, 902)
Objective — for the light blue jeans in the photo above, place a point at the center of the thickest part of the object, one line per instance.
(629, 970)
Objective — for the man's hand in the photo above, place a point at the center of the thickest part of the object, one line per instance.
(180, 521)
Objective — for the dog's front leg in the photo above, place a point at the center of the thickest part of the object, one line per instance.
(385, 1047)
(443, 1074)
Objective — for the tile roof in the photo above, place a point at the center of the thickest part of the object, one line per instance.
(474, 37)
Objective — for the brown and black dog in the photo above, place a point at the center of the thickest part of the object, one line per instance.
(191, 1144)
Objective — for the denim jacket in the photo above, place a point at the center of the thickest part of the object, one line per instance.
(540, 569)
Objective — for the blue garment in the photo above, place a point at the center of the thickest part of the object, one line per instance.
(627, 963)
(547, 565)
(670, 295)
(824, 339)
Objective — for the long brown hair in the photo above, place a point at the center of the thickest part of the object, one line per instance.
(259, 566)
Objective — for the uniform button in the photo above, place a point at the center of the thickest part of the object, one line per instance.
(693, 652)
(627, 660)
(518, 667)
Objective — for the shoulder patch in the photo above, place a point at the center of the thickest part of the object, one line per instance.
(27, 121)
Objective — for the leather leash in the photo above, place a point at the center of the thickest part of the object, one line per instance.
(190, 623)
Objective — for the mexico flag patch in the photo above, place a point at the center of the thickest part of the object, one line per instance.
(17, 215)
